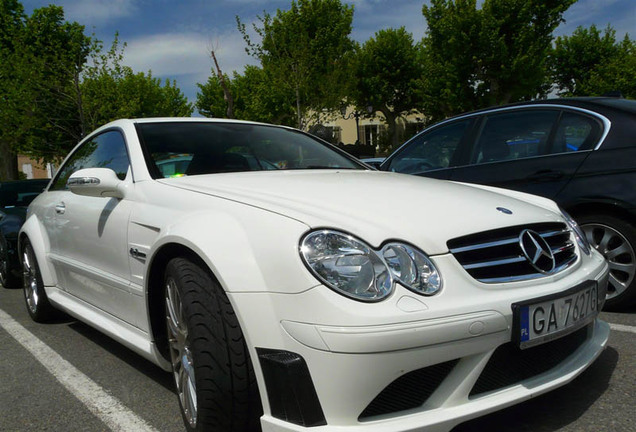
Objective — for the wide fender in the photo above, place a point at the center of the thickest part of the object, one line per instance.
(33, 229)
(252, 250)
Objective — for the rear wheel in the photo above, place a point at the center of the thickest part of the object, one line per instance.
(37, 302)
(616, 240)
(211, 366)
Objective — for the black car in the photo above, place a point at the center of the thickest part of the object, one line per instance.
(15, 196)
(580, 152)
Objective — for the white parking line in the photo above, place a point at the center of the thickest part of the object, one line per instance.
(107, 408)
(623, 328)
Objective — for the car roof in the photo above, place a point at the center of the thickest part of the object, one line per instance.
(603, 103)
(621, 104)
(188, 119)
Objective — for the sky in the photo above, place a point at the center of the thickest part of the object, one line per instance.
(173, 38)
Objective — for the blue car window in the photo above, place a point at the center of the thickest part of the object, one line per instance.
(514, 135)
(573, 133)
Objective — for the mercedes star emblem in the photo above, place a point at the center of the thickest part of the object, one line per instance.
(537, 251)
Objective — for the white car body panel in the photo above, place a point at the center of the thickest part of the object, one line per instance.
(96, 261)
(311, 197)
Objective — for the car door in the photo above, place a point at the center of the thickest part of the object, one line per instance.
(534, 150)
(89, 234)
(433, 152)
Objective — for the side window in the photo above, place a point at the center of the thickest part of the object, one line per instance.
(575, 132)
(430, 150)
(514, 135)
(107, 150)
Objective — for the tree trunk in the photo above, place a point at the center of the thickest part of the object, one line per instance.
(392, 129)
(227, 94)
(8, 163)
(298, 114)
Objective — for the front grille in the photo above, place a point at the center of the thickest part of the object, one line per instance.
(496, 256)
(409, 391)
(510, 365)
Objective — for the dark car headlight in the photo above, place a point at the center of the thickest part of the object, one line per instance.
(351, 267)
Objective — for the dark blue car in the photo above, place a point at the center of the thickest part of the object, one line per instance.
(15, 197)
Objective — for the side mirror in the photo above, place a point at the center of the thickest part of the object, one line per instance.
(96, 182)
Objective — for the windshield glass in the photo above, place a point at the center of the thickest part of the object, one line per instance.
(179, 149)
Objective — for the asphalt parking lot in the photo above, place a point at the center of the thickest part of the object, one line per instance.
(65, 376)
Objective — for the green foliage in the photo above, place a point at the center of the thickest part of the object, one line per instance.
(11, 23)
(51, 98)
(475, 58)
(591, 63)
(303, 52)
(111, 91)
(255, 98)
(386, 71)
(210, 102)
(41, 58)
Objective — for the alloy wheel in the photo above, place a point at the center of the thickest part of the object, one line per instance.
(31, 289)
(619, 254)
(180, 353)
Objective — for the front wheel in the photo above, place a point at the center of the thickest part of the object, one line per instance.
(616, 240)
(37, 302)
(211, 365)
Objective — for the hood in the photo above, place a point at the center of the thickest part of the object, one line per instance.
(376, 206)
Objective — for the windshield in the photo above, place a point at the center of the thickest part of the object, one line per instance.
(179, 149)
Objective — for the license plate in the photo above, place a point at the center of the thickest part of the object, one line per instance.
(547, 318)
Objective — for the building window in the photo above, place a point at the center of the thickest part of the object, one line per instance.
(412, 128)
(371, 134)
(336, 134)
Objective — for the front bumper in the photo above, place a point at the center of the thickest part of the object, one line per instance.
(361, 357)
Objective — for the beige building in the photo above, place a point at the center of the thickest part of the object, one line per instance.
(33, 169)
(351, 127)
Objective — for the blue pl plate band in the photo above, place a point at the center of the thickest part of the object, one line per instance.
(525, 324)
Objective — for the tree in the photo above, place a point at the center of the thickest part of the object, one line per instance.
(227, 93)
(51, 98)
(11, 24)
(475, 58)
(386, 71)
(210, 97)
(111, 91)
(42, 56)
(255, 98)
(303, 52)
(589, 63)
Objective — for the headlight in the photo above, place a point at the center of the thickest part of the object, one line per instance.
(351, 267)
(581, 239)
(412, 268)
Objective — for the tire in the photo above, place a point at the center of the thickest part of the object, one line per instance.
(211, 365)
(7, 277)
(616, 240)
(37, 303)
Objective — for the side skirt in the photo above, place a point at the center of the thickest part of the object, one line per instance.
(129, 336)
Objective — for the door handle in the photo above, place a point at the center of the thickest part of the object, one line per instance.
(546, 175)
(60, 208)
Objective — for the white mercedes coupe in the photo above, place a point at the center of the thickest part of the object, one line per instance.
(288, 287)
